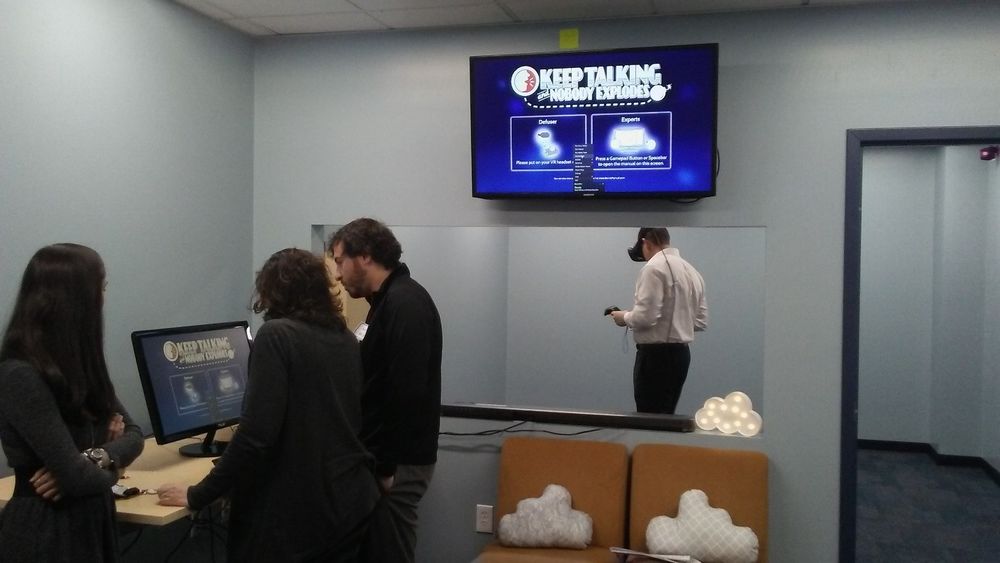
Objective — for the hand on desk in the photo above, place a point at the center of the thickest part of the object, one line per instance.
(172, 495)
(45, 485)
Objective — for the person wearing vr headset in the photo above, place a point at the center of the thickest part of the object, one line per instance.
(669, 308)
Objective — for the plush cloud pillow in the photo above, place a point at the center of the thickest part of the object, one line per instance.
(547, 521)
(703, 532)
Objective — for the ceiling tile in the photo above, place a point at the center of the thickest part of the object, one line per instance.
(667, 7)
(333, 16)
(259, 8)
(250, 28)
(205, 8)
(548, 10)
(844, 2)
(381, 5)
(438, 17)
(320, 23)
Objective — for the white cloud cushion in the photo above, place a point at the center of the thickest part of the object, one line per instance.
(703, 532)
(547, 521)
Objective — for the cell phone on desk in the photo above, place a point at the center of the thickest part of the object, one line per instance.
(121, 491)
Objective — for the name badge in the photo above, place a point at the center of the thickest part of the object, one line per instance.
(361, 331)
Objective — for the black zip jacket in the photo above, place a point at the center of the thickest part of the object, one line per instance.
(401, 356)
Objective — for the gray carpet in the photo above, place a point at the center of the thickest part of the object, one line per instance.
(909, 509)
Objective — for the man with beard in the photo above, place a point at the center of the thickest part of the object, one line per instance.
(401, 400)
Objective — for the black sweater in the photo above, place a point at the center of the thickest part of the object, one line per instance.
(80, 526)
(401, 354)
(298, 476)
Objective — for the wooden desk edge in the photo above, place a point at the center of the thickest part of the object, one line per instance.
(149, 519)
(137, 510)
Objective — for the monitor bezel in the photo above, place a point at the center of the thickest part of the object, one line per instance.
(682, 196)
(147, 385)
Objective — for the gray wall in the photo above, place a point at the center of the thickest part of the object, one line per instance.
(899, 187)
(928, 309)
(959, 232)
(127, 126)
(522, 312)
(991, 322)
(562, 353)
(465, 269)
(377, 124)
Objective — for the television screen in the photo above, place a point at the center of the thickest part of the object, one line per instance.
(620, 123)
(193, 378)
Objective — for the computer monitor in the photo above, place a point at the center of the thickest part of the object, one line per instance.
(193, 378)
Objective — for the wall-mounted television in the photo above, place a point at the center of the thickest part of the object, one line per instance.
(194, 379)
(595, 124)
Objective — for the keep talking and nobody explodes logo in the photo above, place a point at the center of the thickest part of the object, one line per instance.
(191, 352)
(592, 84)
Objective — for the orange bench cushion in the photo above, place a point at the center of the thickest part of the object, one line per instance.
(594, 473)
(734, 480)
(495, 553)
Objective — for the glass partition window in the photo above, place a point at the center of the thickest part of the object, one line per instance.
(522, 309)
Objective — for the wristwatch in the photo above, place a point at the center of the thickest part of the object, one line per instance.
(99, 457)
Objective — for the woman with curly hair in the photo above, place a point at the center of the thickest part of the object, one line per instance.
(299, 480)
(63, 430)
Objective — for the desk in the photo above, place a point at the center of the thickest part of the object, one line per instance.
(157, 465)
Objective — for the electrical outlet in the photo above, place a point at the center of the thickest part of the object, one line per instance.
(484, 518)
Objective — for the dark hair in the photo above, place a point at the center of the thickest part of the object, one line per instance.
(368, 237)
(57, 326)
(295, 284)
(656, 235)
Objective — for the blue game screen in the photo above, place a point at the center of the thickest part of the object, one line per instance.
(628, 122)
(197, 378)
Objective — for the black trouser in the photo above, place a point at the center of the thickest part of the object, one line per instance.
(659, 374)
(392, 536)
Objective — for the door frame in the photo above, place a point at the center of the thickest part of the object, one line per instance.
(857, 140)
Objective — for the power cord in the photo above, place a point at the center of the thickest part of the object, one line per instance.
(554, 433)
(513, 430)
(491, 432)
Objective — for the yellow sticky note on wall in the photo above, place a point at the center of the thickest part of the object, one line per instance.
(569, 38)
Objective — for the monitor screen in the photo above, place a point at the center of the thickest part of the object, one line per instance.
(618, 123)
(193, 378)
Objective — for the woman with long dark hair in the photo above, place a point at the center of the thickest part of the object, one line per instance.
(63, 430)
(299, 480)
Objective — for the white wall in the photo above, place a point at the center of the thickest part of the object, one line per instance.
(897, 267)
(377, 124)
(127, 126)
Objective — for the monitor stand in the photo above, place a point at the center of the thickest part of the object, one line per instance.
(208, 448)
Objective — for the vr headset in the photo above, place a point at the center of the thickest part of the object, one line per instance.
(635, 253)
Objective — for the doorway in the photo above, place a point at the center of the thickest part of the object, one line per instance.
(857, 140)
